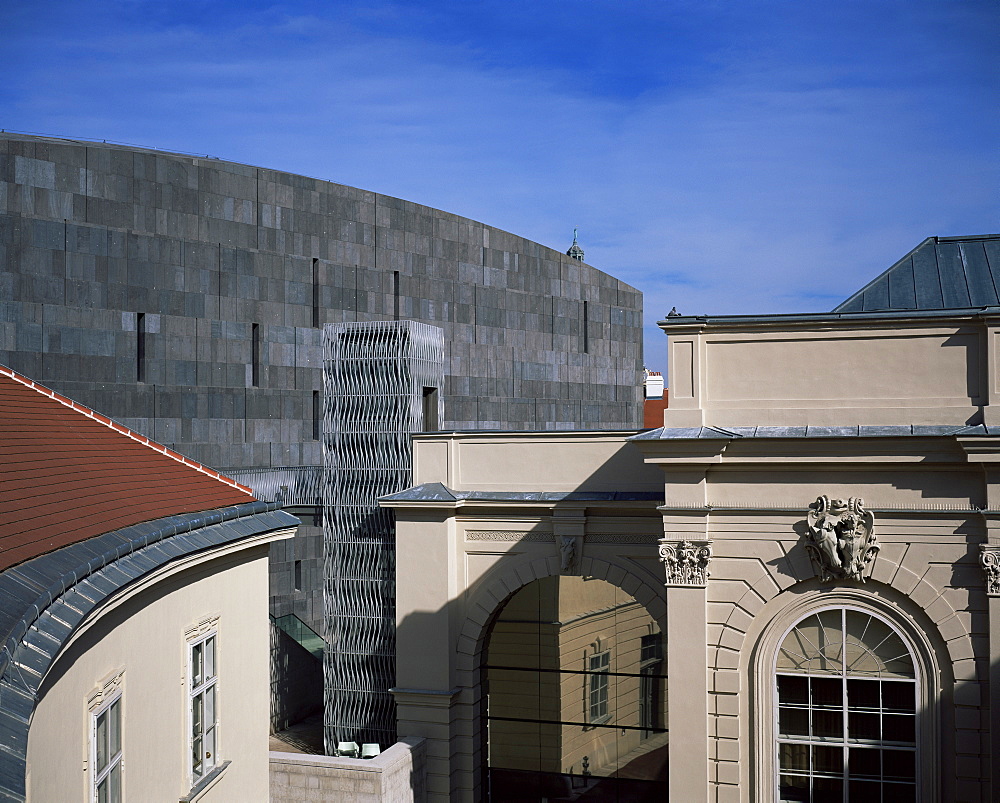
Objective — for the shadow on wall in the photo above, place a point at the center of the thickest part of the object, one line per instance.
(575, 712)
(296, 681)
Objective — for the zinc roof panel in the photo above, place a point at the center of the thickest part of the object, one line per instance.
(951, 270)
(982, 290)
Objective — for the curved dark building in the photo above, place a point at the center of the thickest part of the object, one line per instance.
(208, 253)
(186, 297)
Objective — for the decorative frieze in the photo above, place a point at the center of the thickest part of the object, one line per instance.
(506, 535)
(841, 540)
(620, 538)
(686, 562)
(989, 559)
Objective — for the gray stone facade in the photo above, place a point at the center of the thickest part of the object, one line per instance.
(138, 282)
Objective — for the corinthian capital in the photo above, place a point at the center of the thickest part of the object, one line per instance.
(686, 562)
(989, 559)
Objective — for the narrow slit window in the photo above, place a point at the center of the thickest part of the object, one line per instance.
(315, 293)
(316, 415)
(586, 329)
(140, 347)
(395, 295)
(297, 575)
(430, 422)
(255, 356)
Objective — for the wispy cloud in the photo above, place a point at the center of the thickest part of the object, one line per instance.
(720, 157)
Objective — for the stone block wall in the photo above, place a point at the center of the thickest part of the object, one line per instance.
(102, 247)
(395, 776)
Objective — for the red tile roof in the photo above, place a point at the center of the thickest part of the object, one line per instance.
(68, 473)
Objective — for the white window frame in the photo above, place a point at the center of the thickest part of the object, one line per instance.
(599, 684)
(116, 759)
(203, 744)
(916, 681)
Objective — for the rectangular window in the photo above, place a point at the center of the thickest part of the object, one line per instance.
(106, 741)
(586, 329)
(297, 578)
(600, 664)
(395, 295)
(203, 692)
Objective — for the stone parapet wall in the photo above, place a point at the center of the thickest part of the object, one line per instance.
(395, 776)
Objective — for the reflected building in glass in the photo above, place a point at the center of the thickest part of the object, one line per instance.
(576, 698)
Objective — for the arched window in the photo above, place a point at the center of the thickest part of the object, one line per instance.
(845, 710)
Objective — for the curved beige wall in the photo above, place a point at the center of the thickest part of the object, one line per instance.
(142, 632)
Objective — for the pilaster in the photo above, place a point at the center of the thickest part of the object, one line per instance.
(989, 558)
(686, 565)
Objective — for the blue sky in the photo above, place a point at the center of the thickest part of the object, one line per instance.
(722, 157)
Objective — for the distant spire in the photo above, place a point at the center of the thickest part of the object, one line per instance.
(575, 251)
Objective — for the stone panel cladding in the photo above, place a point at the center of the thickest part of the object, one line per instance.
(102, 246)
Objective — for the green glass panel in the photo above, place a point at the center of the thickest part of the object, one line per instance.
(115, 728)
(793, 721)
(115, 784)
(794, 757)
(102, 741)
(793, 690)
(864, 762)
(863, 726)
(210, 658)
(197, 665)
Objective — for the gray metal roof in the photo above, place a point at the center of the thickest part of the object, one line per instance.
(940, 273)
(887, 431)
(43, 600)
(436, 492)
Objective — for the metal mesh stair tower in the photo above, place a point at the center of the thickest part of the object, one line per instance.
(382, 382)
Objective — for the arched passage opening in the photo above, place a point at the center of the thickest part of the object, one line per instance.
(575, 677)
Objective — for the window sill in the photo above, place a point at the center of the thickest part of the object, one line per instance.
(205, 783)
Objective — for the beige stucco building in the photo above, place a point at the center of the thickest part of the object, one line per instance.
(133, 614)
(811, 537)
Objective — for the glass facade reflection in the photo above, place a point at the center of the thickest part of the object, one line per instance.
(576, 681)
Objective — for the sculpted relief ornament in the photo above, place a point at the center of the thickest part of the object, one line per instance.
(989, 559)
(686, 562)
(842, 541)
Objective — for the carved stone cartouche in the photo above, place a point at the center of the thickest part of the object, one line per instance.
(567, 553)
(841, 539)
